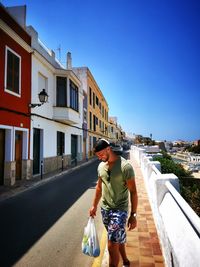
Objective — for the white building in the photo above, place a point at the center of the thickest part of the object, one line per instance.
(56, 126)
(194, 158)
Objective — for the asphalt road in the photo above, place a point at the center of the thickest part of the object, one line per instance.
(43, 226)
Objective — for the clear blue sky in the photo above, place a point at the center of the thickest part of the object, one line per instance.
(144, 55)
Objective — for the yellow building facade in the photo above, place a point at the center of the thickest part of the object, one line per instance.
(95, 113)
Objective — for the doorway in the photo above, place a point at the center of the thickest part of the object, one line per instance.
(84, 149)
(2, 155)
(18, 154)
(36, 151)
(74, 146)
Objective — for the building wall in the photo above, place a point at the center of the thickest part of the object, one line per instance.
(82, 75)
(10, 101)
(40, 68)
(101, 130)
(14, 25)
(14, 112)
(50, 129)
(43, 117)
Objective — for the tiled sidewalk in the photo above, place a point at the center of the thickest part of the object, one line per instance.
(143, 248)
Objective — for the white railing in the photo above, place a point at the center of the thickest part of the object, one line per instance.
(177, 224)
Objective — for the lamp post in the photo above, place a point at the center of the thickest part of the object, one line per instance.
(43, 97)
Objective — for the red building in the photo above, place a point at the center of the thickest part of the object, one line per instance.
(197, 143)
(15, 95)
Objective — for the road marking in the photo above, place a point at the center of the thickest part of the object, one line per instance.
(98, 260)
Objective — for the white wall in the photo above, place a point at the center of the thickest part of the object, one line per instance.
(50, 136)
(47, 108)
(177, 224)
(48, 126)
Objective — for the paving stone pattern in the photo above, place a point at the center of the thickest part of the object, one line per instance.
(143, 247)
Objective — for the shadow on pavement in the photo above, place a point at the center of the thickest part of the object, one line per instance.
(26, 217)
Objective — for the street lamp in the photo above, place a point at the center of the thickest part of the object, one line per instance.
(43, 97)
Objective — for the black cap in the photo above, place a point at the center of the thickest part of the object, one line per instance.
(100, 145)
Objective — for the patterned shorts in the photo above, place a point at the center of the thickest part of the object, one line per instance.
(115, 223)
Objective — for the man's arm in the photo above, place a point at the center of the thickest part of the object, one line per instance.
(97, 197)
(132, 221)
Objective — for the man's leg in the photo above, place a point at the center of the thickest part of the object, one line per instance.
(115, 223)
(113, 249)
(122, 251)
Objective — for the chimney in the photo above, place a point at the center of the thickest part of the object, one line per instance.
(69, 61)
(34, 35)
(19, 13)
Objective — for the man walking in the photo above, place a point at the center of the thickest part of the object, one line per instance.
(115, 179)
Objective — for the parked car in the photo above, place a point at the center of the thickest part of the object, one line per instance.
(118, 149)
(126, 146)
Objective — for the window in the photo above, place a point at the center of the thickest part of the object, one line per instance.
(60, 143)
(13, 72)
(61, 91)
(73, 96)
(90, 121)
(103, 111)
(90, 95)
(94, 123)
(93, 100)
(106, 116)
(85, 115)
(97, 101)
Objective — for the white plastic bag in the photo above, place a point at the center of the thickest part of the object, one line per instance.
(90, 242)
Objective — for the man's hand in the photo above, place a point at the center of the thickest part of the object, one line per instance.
(132, 222)
(93, 211)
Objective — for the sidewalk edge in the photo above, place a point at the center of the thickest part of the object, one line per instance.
(98, 261)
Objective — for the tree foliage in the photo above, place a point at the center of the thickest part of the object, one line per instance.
(169, 166)
(194, 149)
(190, 188)
(191, 193)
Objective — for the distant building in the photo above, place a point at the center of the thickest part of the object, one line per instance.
(194, 158)
(196, 143)
(168, 146)
(115, 132)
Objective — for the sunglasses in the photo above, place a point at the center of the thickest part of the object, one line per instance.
(108, 177)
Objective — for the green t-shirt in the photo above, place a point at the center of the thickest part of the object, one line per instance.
(114, 190)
